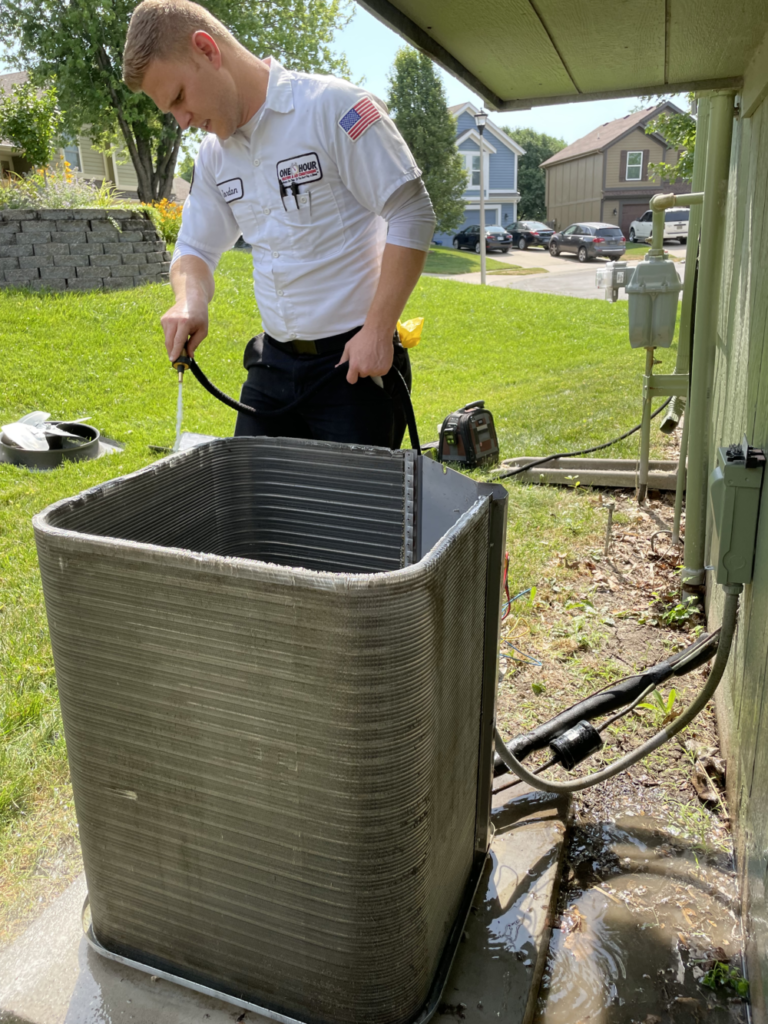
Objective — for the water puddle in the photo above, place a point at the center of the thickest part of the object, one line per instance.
(641, 919)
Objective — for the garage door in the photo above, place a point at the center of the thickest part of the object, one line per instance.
(630, 212)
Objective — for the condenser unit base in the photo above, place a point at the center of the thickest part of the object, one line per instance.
(49, 975)
(425, 1014)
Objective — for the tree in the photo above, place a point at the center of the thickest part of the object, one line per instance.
(29, 118)
(531, 178)
(419, 109)
(80, 45)
(679, 132)
(186, 166)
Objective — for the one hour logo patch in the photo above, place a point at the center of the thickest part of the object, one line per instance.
(299, 170)
(231, 189)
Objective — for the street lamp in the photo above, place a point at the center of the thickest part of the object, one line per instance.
(480, 120)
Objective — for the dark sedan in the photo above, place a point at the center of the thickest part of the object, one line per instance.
(588, 240)
(530, 232)
(496, 238)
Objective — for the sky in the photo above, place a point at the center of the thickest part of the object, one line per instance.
(370, 48)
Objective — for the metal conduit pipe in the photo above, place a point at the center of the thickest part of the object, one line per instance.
(707, 306)
(683, 361)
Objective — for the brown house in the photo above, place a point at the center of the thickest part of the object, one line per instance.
(604, 176)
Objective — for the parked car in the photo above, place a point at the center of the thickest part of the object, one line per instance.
(675, 225)
(530, 232)
(589, 240)
(496, 238)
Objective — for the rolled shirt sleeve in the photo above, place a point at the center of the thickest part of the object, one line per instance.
(410, 217)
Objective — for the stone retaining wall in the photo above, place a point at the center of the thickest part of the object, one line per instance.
(80, 249)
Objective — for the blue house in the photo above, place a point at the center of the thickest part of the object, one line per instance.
(501, 153)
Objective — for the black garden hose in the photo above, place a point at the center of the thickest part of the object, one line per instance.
(401, 388)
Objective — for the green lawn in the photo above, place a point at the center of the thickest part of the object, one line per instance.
(637, 248)
(441, 260)
(558, 373)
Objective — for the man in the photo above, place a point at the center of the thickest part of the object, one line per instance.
(312, 173)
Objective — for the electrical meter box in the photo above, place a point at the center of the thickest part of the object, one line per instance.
(652, 293)
(612, 277)
(734, 491)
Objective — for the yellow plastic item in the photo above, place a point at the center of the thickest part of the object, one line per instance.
(410, 331)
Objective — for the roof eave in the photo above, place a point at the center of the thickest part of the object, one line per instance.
(552, 160)
(393, 18)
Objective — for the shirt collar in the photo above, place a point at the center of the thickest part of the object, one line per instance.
(279, 88)
(279, 98)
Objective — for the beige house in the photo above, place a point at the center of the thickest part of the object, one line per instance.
(604, 176)
(83, 159)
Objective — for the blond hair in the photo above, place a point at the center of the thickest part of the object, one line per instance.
(160, 29)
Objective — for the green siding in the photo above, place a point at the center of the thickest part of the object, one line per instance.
(740, 404)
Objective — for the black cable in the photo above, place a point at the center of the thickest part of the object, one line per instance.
(584, 451)
(400, 385)
(611, 698)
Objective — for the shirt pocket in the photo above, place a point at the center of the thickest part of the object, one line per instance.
(311, 222)
(245, 213)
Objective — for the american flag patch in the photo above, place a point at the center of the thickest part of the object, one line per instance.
(359, 118)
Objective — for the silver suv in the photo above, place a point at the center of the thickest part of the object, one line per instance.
(589, 239)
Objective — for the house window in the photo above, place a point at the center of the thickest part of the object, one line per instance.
(72, 156)
(472, 164)
(635, 166)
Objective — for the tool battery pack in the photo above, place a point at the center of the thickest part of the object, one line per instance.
(468, 436)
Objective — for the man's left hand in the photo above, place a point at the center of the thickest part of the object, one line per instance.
(370, 353)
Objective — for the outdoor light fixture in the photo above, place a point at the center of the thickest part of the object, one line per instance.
(481, 118)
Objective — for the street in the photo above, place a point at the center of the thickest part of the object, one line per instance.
(565, 275)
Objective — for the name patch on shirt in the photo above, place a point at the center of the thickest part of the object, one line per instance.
(299, 169)
(231, 189)
(358, 119)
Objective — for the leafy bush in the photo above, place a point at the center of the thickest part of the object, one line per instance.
(57, 189)
(166, 216)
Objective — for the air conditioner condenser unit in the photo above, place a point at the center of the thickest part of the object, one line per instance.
(277, 667)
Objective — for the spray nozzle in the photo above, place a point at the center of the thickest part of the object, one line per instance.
(181, 363)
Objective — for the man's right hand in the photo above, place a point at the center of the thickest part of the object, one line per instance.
(186, 322)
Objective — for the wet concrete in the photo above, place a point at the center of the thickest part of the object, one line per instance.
(643, 915)
(498, 968)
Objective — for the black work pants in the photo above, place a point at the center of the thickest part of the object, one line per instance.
(361, 413)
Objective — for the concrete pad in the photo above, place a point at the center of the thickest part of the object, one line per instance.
(498, 968)
(50, 975)
(662, 474)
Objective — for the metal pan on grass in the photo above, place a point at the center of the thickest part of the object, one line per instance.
(62, 449)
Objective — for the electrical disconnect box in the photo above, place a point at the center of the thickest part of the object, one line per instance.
(652, 293)
(734, 491)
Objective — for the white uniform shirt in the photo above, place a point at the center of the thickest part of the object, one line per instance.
(304, 182)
